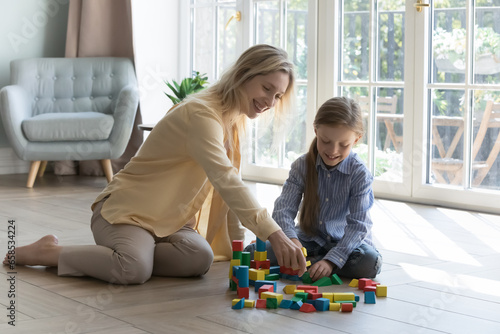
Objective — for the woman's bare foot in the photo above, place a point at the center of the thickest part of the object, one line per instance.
(44, 252)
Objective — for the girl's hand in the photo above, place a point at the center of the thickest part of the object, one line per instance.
(287, 252)
(322, 268)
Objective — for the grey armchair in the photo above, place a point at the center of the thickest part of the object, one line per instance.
(69, 109)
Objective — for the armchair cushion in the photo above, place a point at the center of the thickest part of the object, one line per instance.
(73, 126)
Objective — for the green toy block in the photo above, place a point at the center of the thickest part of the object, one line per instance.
(272, 277)
(237, 255)
(271, 303)
(306, 278)
(245, 259)
(232, 285)
(346, 302)
(302, 295)
(323, 281)
(336, 280)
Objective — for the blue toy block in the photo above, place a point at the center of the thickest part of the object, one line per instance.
(261, 245)
(296, 305)
(286, 303)
(274, 270)
(370, 297)
(356, 297)
(242, 276)
(260, 283)
(239, 305)
(322, 304)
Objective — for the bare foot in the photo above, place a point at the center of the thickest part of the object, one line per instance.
(44, 252)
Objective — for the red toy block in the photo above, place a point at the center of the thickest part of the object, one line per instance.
(346, 307)
(307, 308)
(308, 288)
(237, 245)
(362, 282)
(253, 265)
(243, 292)
(266, 288)
(262, 264)
(315, 295)
(261, 303)
(370, 288)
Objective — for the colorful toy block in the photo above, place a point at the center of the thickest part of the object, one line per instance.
(362, 282)
(354, 283)
(238, 304)
(234, 262)
(296, 305)
(261, 245)
(304, 251)
(243, 292)
(260, 283)
(381, 291)
(265, 288)
(249, 303)
(370, 297)
(237, 255)
(336, 280)
(238, 245)
(315, 296)
(346, 307)
(272, 303)
(256, 274)
(242, 274)
(323, 281)
(306, 278)
(307, 308)
(370, 288)
(261, 303)
(328, 295)
(322, 304)
(302, 295)
(286, 303)
(245, 258)
(274, 270)
(260, 256)
(289, 289)
(272, 277)
(347, 302)
(308, 288)
(343, 296)
(335, 306)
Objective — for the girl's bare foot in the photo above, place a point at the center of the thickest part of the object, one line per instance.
(44, 252)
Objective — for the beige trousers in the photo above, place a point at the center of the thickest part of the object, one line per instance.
(127, 254)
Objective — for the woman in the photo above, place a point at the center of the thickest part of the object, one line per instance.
(184, 177)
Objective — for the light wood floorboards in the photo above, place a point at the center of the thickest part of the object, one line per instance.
(441, 266)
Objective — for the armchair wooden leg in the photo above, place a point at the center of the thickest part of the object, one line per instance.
(32, 174)
(107, 168)
(41, 170)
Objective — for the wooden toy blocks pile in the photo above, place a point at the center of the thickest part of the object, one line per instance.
(244, 272)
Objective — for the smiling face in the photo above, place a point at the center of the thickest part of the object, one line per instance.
(335, 143)
(263, 91)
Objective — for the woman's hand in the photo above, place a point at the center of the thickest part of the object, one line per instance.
(287, 252)
(322, 268)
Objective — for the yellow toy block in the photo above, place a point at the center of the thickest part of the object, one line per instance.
(381, 291)
(256, 274)
(346, 296)
(249, 303)
(328, 295)
(235, 301)
(266, 271)
(334, 307)
(289, 289)
(295, 291)
(354, 283)
(260, 256)
(235, 262)
(304, 251)
(268, 294)
(308, 263)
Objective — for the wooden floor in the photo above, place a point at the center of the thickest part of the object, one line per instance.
(441, 266)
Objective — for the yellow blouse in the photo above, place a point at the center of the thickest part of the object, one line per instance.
(183, 170)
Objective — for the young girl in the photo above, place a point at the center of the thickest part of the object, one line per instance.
(333, 189)
(183, 180)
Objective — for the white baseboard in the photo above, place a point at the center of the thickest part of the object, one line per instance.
(11, 164)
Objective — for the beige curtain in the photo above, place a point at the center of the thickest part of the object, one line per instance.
(101, 28)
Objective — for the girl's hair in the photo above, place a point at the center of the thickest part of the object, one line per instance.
(228, 91)
(335, 111)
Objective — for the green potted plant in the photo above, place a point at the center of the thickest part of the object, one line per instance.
(187, 86)
(450, 46)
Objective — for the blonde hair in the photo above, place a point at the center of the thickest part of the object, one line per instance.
(335, 111)
(228, 91)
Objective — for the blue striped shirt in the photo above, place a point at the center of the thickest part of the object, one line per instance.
(346, 196)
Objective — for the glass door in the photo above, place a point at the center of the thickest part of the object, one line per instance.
(461, 91)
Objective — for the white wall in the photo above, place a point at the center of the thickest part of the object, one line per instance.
(28, 28)
(156, 47)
